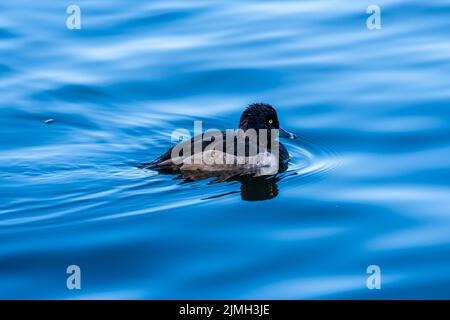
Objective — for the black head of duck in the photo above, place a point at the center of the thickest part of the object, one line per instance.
(262, 116)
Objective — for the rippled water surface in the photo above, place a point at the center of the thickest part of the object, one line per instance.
(368, 182)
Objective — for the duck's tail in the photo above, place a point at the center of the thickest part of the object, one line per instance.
(148, 165)
(166, 166)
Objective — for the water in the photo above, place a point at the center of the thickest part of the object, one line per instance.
(368, 183)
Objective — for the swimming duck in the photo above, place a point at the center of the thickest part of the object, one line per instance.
(256, 116)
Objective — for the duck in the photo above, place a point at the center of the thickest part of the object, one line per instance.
(214, 161)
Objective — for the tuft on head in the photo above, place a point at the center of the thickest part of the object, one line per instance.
(259, 116)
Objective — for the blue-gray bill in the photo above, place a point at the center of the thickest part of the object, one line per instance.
(286, 134)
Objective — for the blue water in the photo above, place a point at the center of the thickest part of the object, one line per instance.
(368, 182)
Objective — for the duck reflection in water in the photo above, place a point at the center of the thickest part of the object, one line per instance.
(253, 188)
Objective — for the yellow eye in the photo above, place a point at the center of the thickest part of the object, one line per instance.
(270, 121)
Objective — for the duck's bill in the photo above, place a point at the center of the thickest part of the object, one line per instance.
(286, 134)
